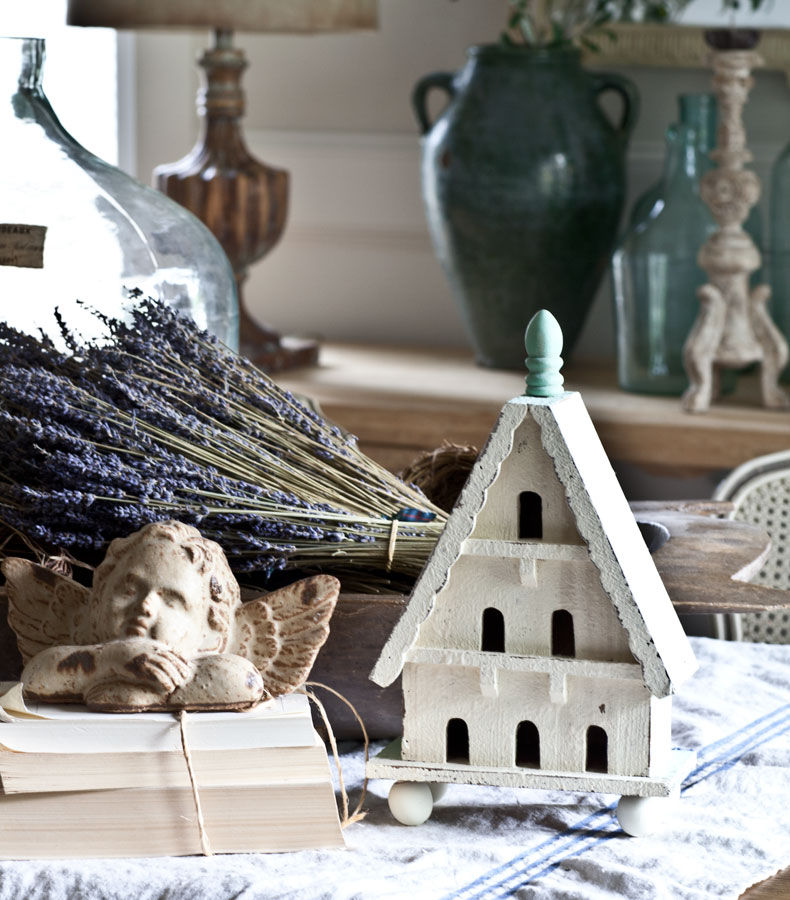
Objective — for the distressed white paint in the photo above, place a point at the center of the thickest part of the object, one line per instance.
(589, 562)
(660, 734)
(558, 687)
(526, 468)
(389, 764)
(489, 678)
(527, 572)
(507, 662)
(526, 550)
(578, 482)
(435, 693)
(616, 546)
(478, 583)
(447, 549)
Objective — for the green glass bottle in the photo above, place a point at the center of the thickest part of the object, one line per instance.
(698, 111)
(655, 275)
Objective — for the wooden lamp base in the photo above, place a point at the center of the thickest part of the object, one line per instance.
(242, 201)
(270, 350)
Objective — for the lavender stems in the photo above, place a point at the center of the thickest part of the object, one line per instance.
(162, 421)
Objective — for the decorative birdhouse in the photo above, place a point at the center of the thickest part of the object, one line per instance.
(539, 647)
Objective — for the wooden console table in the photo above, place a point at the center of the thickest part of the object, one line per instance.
(402, 401)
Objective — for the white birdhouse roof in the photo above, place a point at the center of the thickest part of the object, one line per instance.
(604, 521)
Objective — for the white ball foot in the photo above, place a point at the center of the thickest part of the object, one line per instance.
(411, 802)
(438, 789)
(640, 816)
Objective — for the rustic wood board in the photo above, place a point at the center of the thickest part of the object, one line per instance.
(401, 401)
(360, 626)
(707, 562)
(776, 888)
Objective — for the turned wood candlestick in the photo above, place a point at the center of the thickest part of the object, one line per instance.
(733, 328)
(242, 201)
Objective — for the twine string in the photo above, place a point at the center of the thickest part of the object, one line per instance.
(347, 819)
(205, 844)
(358, 814)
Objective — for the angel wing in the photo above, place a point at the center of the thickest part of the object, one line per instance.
(44, 609)
(282, 632)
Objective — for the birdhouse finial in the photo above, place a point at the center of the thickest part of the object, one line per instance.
(543, 340)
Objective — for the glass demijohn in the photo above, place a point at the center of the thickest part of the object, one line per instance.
(74, 228)
(654, 269)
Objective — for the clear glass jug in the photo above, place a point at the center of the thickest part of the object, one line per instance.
(74, 228)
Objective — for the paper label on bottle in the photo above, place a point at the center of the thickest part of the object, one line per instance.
(22, 245)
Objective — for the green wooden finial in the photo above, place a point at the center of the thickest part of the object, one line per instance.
(543, 341)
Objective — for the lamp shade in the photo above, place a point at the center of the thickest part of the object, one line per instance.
(289, 17)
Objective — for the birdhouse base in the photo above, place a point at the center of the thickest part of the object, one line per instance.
(388, 764)
(412, 796)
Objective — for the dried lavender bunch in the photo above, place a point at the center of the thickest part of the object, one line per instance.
(161, 421)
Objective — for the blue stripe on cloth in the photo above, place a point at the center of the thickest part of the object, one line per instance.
(710, 748)
(550, 868)
(561, 842)
(740, 750)
(533, 871)
(540, 867)
(546, 856)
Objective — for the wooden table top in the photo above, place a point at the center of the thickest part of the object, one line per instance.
(400, 401)
(776, 888)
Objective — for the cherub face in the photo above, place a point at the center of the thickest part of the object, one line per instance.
(155, 591)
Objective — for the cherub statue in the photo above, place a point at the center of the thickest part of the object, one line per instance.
(163, 628)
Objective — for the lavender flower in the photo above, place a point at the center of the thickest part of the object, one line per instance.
(160, 421)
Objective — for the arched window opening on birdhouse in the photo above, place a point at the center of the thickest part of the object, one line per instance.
(597, 750)
(563, 642)
(457, 741)
(493, 635)
(528, 745)
(530, 516)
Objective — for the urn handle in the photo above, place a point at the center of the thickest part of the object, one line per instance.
(444, 81)
(610, 81)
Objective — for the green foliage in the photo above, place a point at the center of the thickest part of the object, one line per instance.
(558, 23)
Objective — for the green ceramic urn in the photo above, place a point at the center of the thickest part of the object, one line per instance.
(523, 179)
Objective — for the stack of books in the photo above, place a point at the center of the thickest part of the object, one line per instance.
(82, 784)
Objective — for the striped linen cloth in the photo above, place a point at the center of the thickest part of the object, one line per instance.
(730, 829)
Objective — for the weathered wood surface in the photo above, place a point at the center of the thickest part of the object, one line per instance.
(707, 562)
(359, 629)
(776, 888)
(400, 402)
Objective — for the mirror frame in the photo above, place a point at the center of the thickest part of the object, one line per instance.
(680, 46)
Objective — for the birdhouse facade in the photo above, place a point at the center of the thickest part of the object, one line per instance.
(540, 636)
